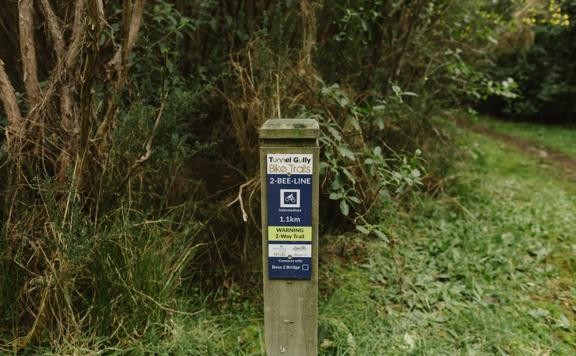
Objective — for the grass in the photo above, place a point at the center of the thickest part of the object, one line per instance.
(558, 137)
(488, 268)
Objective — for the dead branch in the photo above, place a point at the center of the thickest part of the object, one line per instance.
(53, 28)
(134, 28)
(119, 64)
(28, 51)
(148, 153)
(146, 156)
(89, 60)
(57, 38)
(240, 200)
(61, 73)
(132, 19)
(8, 97)
(78, 34)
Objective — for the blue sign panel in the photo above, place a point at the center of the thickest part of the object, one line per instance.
(289, 268)
(289, 184)
(289, 200)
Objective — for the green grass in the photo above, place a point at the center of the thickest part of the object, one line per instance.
(489, 270)
(562, 139)
(486, 269)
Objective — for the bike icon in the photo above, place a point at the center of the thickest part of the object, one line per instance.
(289, 198)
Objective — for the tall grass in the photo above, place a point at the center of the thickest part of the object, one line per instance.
(72, 278)
(109, 266)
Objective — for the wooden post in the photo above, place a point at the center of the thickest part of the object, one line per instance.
(289, 162)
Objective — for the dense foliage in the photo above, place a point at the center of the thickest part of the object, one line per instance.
(540, 59)
(130, 150)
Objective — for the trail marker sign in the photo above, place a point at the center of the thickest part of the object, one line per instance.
(289, 215)
(289, 155)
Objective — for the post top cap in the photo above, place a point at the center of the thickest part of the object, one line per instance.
(290, 129)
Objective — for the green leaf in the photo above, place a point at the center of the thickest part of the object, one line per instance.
(355, 123)
(344, 207)
(563, 322)
(539, 313)
(354, 199)
(335, 196)
(345, 152)
(335, 133)
(337, 183)
(362, 229)
(349, 175)
(382, 236)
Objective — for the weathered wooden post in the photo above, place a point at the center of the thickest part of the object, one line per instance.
(289, 161)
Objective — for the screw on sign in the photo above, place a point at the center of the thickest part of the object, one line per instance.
(289, 161)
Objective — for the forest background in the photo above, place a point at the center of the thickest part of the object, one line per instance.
(128, 160)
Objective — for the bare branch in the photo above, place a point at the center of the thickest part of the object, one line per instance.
(58, 42)
(126, 20)
(132, 19)
(28, 51)
(61, 74)
(148, 153)
(134, 27)
(146, 156)
(240, 200)
(89, 61)
(8, 97)
(119, 63)
(53, 28)
(78, 34)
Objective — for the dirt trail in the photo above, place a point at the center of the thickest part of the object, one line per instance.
(543, 153)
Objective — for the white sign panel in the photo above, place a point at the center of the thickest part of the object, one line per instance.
(292, 163)
(290, 250)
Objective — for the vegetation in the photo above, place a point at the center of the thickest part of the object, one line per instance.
(538, 54)
(485, 267)
(560, 138)
(485, 270)
(129, 200)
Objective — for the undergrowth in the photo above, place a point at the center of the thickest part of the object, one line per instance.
(485, 269)
(129, 195)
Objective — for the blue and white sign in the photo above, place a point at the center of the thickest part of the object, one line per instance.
(289, 182)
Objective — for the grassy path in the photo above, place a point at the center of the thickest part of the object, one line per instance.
(552, 146)
(490, 269)
(560, 138)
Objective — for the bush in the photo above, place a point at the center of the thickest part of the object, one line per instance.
(543, 68)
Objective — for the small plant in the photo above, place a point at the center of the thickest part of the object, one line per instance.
(358, 173)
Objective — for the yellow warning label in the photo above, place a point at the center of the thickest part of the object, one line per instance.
(289, 233)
